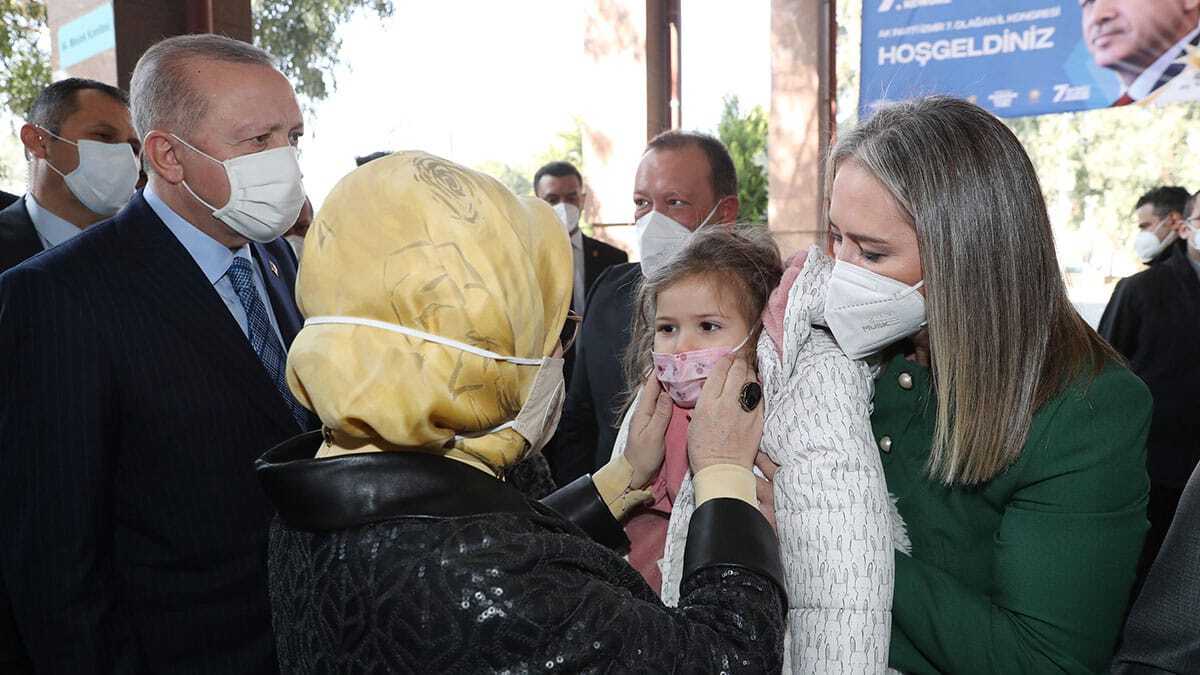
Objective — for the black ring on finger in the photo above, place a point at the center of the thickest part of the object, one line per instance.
(750, 396)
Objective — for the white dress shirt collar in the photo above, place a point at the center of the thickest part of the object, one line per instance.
(51, 229)
(213, 257)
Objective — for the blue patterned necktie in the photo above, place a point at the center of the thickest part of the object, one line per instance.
(263, 339)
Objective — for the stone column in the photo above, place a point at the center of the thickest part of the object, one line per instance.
(801, 122)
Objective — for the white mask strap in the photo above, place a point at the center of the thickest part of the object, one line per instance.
(420, 335)
(710, 215)
(198, 150)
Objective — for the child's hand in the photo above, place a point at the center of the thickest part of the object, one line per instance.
(646, 444)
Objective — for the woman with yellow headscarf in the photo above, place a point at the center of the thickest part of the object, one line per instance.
(434, 301)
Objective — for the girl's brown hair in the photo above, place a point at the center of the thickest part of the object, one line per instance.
(743, 259)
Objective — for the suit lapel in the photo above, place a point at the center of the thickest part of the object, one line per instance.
(173, 287)
(591, 262)
(18, 237)
(279, 273)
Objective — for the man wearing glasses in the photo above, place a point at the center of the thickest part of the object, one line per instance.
(1153, 319)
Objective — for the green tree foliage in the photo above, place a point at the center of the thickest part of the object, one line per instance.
(303, 35)
(24, 67)
(1094, 165)
(514, 178)
(567, 147)
(746, 138)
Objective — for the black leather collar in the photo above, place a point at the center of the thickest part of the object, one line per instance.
(352, 490)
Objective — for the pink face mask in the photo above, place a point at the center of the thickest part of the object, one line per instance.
(683, 374)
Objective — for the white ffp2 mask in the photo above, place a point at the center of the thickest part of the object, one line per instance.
(106, 177)
(1148, 246)
(568, 215)
(265, 192)
(660, 237)
(867, 311)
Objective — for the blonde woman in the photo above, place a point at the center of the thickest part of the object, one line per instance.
(1009, 432)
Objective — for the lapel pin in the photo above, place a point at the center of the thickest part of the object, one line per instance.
(274, 269)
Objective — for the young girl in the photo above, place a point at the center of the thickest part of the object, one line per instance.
(726, 292)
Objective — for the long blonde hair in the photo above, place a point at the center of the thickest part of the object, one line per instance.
(744, 258)
(1004, 339)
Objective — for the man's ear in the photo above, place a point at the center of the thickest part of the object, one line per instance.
(158, 154)
(34, 140)
(727, 212)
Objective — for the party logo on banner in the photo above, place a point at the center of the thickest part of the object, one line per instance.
(1031, 57)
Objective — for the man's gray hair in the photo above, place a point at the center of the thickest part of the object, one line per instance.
(161, 92)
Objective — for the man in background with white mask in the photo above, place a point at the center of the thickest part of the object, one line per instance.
(685, 180)
(560, 185)
(143, 373)
(1159, 213)
(83, 167)
(1152, 320)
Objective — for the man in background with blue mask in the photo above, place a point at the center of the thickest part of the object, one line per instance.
(685, 180)
(83, 167)
(143, 373)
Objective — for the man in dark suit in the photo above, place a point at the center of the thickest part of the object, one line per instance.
(82, 152)
(1153, 319)
(560, 185)
(143, 374)
(1162, 633)
(688, 178)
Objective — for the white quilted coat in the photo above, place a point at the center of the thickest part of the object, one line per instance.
(832, 508)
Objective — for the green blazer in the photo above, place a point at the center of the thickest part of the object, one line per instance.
(1030, 572)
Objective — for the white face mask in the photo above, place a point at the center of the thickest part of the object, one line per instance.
(568, 215)
(1147, 244)
(538, 418)
(868, 311)
(661, 237)
(106, 176)
(265, 192)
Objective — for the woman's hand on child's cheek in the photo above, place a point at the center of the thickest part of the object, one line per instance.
(765, 487)
(721, 430)
(647, 432)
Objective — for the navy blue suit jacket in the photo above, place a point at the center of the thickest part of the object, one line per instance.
(133, 533)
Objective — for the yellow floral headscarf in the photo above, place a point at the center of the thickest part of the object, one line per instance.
(415, 240)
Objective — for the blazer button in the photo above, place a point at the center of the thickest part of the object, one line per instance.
(905, 381)
(885, 444)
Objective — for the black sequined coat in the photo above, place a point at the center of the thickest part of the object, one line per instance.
(413, 563)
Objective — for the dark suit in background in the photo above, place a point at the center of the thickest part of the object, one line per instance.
(132, 530)
(19, 239)
(590, 418)
(1153, 320)
(597, 257)
(7, 199)
(1162, 633)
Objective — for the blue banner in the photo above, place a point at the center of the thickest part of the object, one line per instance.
(86, 36)
(1030, 57)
